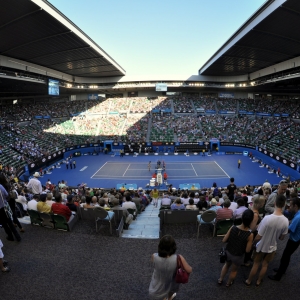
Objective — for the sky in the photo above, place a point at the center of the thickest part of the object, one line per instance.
(159, 37)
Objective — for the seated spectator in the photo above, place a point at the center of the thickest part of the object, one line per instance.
(225, 212)
(127, 216)
(49, 200)
(138, 202)
(191, 205)
(87, 203)
(21, 199)
(94, 201)
(185, 198)
(128, 203)
(144, 199)
(70, 203)
(202, 204)
(166, 201)
(42, 205)
(32, 204)
(102, 204)
(214, 205)
(61, 209)
(196, 199)
(233, 206)
(237, 214)
(177, 205)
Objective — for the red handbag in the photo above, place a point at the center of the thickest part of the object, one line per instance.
(182, 276)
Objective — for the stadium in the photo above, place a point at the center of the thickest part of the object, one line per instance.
(69, 112)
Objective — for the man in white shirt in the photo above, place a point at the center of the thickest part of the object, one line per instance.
(32, 204)
(272, 228)
(233, 206)
(128, 203)
(35, 185)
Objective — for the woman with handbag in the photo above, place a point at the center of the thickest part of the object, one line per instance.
(239, 240)
(6, 214)
(163, 284)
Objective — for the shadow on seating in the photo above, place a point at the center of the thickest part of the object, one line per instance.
(208, 217)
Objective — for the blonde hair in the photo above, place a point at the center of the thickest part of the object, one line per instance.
(258, 201)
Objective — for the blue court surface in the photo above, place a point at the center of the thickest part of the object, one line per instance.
(104, 171)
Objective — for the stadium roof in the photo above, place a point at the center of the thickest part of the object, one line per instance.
(270, 36)
(36, 32)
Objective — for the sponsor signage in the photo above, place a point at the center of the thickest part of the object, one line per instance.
(243, 112)
(263, 114)
(279, 158)
(45, 160)
(225, 112)
(232, 152)
(237, 145)
(226, 95)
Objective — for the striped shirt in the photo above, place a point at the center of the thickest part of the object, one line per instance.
(224, 213)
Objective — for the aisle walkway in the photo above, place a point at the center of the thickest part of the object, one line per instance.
(146, 226)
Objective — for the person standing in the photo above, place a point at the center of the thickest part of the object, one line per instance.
(3, 263)
(239, 164)
(281, 190)
(67, 164)
(6, 217)
(74, 163)
(35, 185)
(239, 239)
(293, 242)
(163, 285)
(154, 195)
(231, 189)
(71, 165)
(272, 228)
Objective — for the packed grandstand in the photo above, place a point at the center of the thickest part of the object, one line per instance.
(239, 100)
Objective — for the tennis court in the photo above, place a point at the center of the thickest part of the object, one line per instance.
(186, 169)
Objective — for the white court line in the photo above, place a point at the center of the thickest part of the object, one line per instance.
(83, 168)
(194, 170)
(170, 162)
(154, 170)
(199, 176)
(221, 169)
(126, 170)
(98, 170)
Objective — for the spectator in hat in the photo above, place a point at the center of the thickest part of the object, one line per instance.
(35, 185)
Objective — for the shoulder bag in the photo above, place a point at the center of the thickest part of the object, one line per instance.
(223, 255)
(182, 276)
